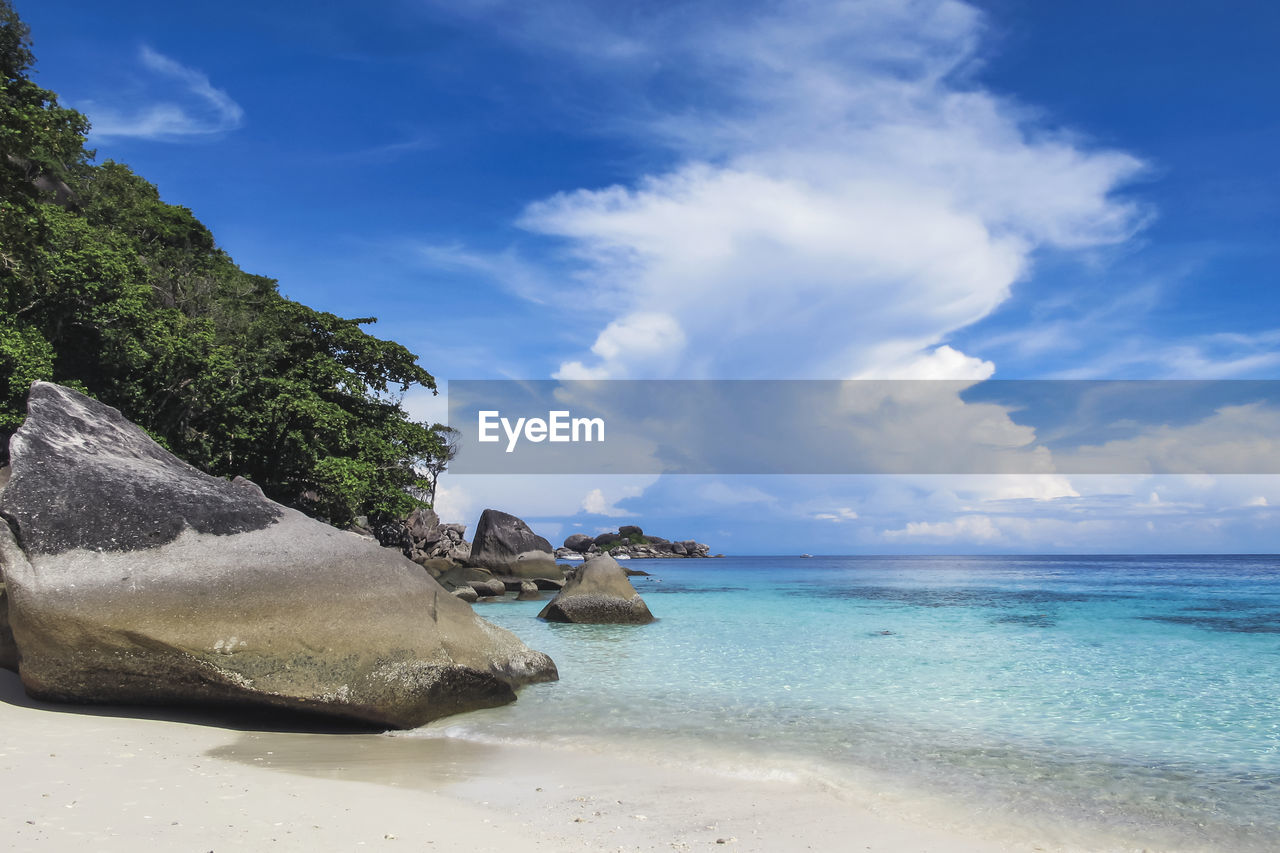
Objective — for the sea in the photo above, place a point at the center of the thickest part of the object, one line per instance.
(1133, 696)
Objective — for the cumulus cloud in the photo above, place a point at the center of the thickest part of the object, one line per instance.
(644, 343)
(595, 503)
(841, 200)
(192, 106)
(1238, 439)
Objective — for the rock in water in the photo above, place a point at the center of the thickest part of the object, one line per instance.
(599, 593)
(505, 545)
(142, 580)
(578, 542)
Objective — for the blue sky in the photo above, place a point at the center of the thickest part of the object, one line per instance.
(921, 188)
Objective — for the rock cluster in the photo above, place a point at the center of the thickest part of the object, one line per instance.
(132, 577)
(422, 538)
(505, 552)
(629, 541)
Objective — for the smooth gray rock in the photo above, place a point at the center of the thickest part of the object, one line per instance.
(85, 478)
(578, 542)
(491, 588)
(460, 576)
(600, 594)
(528, 591)
(551, 584)
(505, 545)
(142, 580)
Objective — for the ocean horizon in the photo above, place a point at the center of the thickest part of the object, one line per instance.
(1128, 697)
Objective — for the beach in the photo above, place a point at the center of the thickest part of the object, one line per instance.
(81, 777)
(1030, 704)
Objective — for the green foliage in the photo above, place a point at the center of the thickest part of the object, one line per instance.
(108, 288)
(624, 541)
(25, 356)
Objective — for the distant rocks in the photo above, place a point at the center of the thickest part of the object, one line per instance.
(131, 577)
(598, 593)
(629, 542)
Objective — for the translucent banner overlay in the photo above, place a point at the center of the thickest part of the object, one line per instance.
(866, 426)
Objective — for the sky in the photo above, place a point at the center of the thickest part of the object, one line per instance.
(740, 190)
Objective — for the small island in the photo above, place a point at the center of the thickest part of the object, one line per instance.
(630, 543)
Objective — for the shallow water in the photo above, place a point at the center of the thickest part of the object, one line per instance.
(1139, 696)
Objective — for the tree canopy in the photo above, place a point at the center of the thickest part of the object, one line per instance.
(106, 288)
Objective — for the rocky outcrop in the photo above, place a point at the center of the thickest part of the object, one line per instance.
(631, 541)
(141, 580)
(422, 538)
(506, 546)
(598, 593)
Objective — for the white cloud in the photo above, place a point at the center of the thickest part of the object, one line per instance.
(1258, 500)
(1008, 487)
(966, 528)
(841, 201)
(1237, 439)
(844, 513)
(640, 345)
(943, 362)
(197, 108)
(535, 498)
(596, 503)
(1213, 356)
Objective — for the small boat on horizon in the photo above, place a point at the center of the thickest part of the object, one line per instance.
(806, 555)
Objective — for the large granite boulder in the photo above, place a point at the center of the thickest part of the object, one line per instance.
(141, 580)
(578, 542)
(505, 545)
(598, 593)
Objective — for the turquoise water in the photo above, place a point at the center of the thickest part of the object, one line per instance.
(1134, 695)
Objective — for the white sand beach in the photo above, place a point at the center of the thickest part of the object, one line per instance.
(84, 778)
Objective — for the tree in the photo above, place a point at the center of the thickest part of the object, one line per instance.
(435, 465)
(109, 289)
